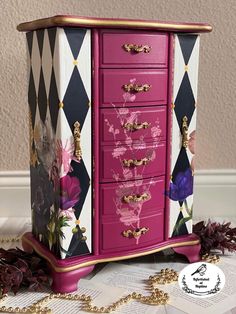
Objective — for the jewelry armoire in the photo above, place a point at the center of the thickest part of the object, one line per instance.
(112, 117)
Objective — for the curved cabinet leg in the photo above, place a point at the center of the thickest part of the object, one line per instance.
(63, 282)
(192, 252)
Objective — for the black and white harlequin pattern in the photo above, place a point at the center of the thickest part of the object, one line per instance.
(186, 57)
(60, 92)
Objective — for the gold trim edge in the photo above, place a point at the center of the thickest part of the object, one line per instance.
(108, 259)
(57, 21)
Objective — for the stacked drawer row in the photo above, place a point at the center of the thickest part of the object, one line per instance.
(133, 115)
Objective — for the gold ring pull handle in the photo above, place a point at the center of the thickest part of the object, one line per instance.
(136, 162)
(135, 88)
(136, 126)
(77, 135)
(185, 132)
(136, 198)
(137, 48)
(135, 233)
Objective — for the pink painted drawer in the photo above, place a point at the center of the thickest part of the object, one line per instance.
(143, 50)
(139, 197)
(113, 233)
(125, 124)
(130, 162)
(114, 90)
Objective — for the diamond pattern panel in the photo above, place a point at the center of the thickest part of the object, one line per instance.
(59, 95)
(184, 104)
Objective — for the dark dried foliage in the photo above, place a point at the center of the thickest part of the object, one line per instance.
(216, 236)
(20, 269)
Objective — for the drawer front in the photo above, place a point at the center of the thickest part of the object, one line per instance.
(115, 198)
(113, 238)
(130, 162)
(138, 49)
(113, 90)
(148, 123)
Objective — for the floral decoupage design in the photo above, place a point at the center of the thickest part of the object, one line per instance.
(54, 188)
(182, 187)
(129, 181)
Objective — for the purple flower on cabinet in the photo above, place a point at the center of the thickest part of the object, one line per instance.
(70, 191)
(182, 187)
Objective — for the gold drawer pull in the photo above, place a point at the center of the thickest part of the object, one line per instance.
(135, 162)
(135, 233)
(137, 48)
(136, 88)
(136, 198)
(185, 132)
(136, 126)
(77, 135)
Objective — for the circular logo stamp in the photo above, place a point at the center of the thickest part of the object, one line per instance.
(201, 280)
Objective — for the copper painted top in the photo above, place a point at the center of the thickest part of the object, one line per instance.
(92, 22)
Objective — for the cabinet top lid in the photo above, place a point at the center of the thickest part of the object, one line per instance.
(93, 22)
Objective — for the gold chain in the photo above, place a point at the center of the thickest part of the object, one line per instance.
(156, 296)
(9, 239)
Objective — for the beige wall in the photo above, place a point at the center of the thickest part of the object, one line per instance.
(216, 142)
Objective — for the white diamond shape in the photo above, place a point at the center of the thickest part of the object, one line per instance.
(179, 68)
(62, 63)
(193, 67)
(84, 63)
(36, 62)
(46, 62)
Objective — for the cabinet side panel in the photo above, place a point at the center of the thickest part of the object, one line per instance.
(185, 77)
(43, 109)
(74, 89)
(59, 95)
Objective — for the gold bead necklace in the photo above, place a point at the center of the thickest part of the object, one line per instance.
(156, 296)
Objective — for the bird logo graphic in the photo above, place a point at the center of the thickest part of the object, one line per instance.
(201, 270)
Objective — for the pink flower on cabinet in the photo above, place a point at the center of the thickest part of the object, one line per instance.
(133, 80)
(127, 217)
(68, 213)
(118, 151)
(133, 117)
(191, 142)
(155, 131)
(70, 191)
(127, 173)
(123, 111)
(128, 97)
(128, 140)
(64, 153)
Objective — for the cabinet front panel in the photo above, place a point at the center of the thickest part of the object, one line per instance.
(124, 162)
(122, 124)
(115, 201)
(114, 238)
(113, 90)
(119, 48)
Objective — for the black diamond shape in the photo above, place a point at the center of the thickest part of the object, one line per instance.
(40, 36)
(77, 246)
(182, 229)
(181, 165)
(79, 170)
(75, 39)
(187, 43)
(32, 97)
(29, 37)
(42, 97)
(53, 101)
(52, 38)
(184, 102)
(76, 100)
